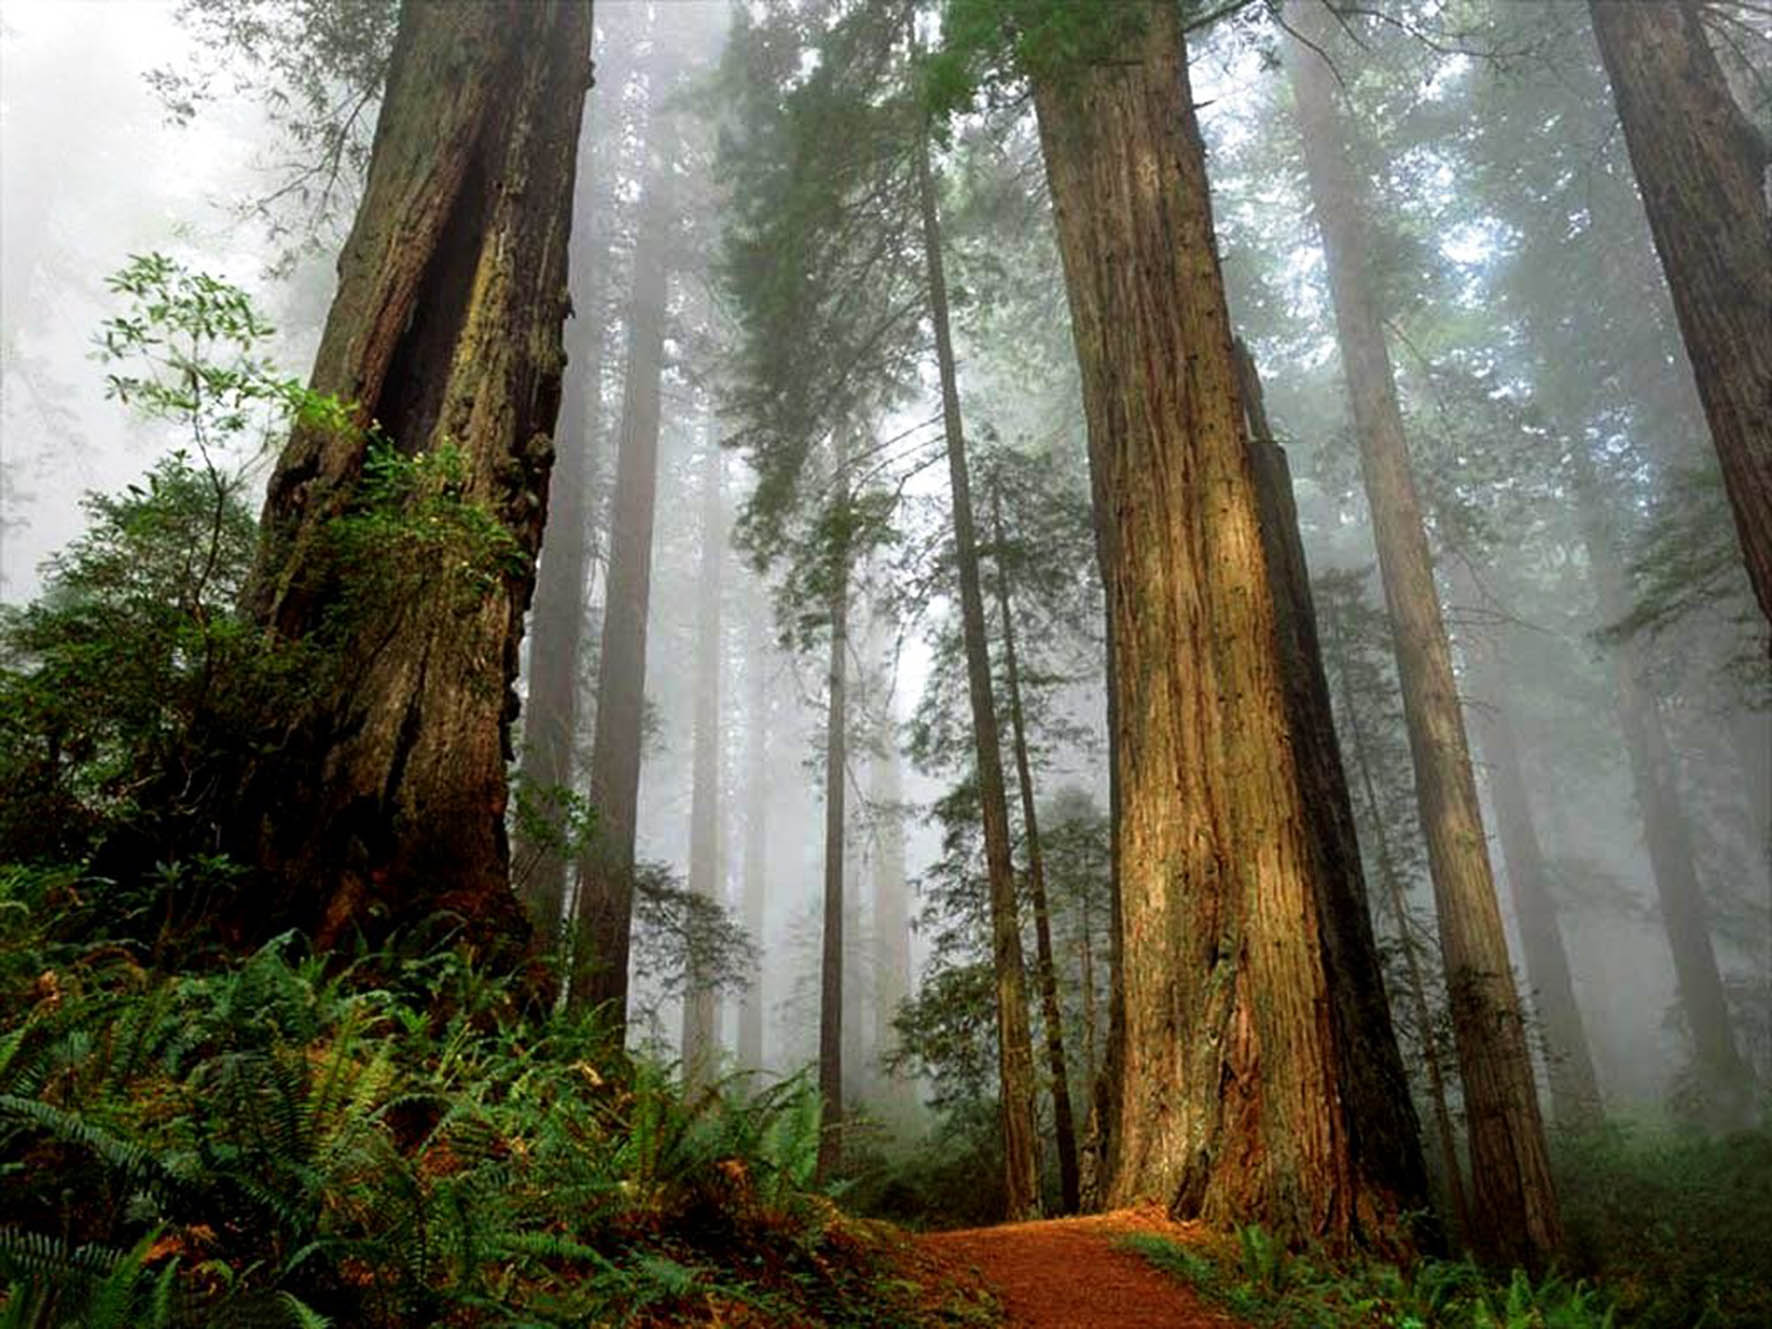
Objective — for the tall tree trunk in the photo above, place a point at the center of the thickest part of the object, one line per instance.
(756, 833)
(550, 712)
(1725, 1082)
(1391, 878)
(701, 1019)
(1373, 1078)
(1015, 1049)
(1574, 1088)
(606, 869)
(1051, 1013)
(1700, 164)
(836, 759)
(1232, 1069)
(892, 927)
(1514, 1205)
(388, 801)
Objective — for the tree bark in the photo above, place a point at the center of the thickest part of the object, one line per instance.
(386, 804)
(1373, 1079)
(550, 711)
(1725, 1081)
(606, 869)
(1231, 1103)
(1700, 165)
(1574, 1088)
(1015, 1052)
(836, 759)
(1513, 1202)
(756, 834)
(1051, 1013)
(701, 1017)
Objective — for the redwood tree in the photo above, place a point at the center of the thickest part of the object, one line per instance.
(1513, 1202)
(387, 798)
(603, 928)
(701, 1018)
(1700, 164)
(1015, 1057)
(1240, 1097)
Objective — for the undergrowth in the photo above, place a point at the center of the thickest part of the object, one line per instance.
(288, 1139)
(1666, 1230)
(1257, 1280)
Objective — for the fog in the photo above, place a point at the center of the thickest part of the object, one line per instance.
(1456, 146)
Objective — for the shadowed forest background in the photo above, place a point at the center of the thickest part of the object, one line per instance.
(647, 646)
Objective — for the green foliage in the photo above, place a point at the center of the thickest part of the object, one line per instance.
(1665, 1229)
(285, 1141)
(1258, 1281)
(415, 536)
(1676, 1225)
(101, 678)
(193, 341)
(989, 46)
(104, 678)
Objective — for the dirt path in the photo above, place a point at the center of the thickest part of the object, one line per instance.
(1068, 1274)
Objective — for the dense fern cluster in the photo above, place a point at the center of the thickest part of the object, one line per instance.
(293, 1140)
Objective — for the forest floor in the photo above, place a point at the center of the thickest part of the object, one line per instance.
(1070, 1273)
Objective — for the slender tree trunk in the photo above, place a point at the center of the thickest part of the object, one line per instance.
(1015, 1065)
(1574, 1088)
(386, 804)
(606, 869)
(1514, 1205)
(1724, 1079)
(701, 1015)
(1233, 1102)
(550, 712)
(836, 759)
(1051, 1013)
(756, 835)
(1700, 164)
(1391, 878)
(892, 940)
(1086, 967)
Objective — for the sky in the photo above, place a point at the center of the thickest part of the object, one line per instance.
(91, 172)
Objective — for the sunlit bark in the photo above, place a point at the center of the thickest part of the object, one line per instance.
(1233, 1102)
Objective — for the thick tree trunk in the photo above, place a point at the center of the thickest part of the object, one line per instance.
(1700, 165)
(701, 1016)
(1514, 1205)
(1051, 1013)
(836, 759)
(1015, 1050)
(388, 801)
(756, 834)
(1231, 1104)
(1391, 878)
(1725, 1081)
(606, 868)
(557, 625)
(1574, 1088)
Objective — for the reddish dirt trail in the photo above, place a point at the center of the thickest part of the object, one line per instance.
(1068, 1273)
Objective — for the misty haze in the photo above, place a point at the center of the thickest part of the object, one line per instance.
(1030, 663)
